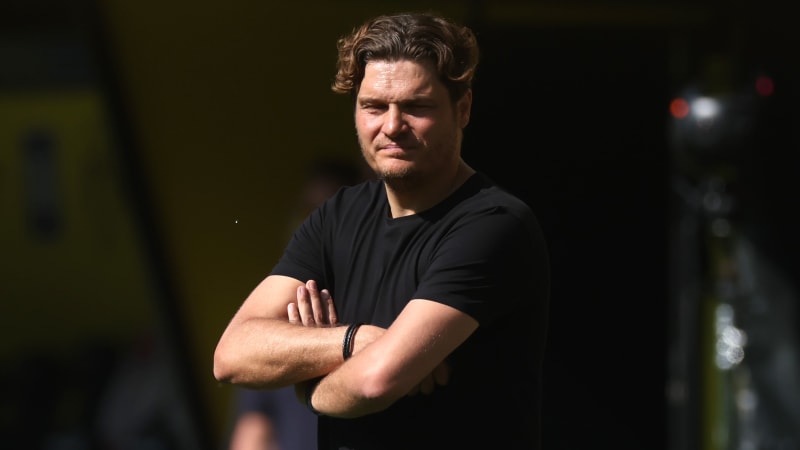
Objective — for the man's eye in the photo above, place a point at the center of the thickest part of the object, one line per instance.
(418, 109)
(373, 108)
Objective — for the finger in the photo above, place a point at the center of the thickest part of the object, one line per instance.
(294, 314)
(427, 385)
(317, 311)
(304, 306)
(333, 318)
(441, 374)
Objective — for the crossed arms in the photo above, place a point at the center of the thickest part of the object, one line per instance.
(287, 333)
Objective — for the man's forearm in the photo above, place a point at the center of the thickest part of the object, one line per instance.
(271, 353)
(341, 395)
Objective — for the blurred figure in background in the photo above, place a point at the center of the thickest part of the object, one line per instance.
(276, 420)
(272, 420)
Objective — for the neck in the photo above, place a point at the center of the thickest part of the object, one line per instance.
(407, 198)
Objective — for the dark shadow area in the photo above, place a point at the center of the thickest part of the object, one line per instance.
(573, 121)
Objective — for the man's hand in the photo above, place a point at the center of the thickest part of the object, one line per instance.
(314, 308)
(439, 377)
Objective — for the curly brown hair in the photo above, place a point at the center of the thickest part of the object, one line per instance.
(452, 48)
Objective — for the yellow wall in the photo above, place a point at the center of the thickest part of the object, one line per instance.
(64, 282)
(228, 100)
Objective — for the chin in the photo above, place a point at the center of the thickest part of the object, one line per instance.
(395, 171)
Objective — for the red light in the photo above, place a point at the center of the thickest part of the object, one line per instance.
(679, 108)
(764, 86)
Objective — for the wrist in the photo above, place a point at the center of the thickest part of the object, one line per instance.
(348, 343)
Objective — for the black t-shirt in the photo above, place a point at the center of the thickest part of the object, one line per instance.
(481, 251)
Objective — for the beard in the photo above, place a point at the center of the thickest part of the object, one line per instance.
(414, 174)
(399, 179)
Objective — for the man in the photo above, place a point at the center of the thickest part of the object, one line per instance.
(439, 278)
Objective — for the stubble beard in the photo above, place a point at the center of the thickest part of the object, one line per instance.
(406, 179)
(397, 179)
(400, 180)
(394, 178)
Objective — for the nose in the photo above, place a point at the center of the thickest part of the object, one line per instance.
(394, 123)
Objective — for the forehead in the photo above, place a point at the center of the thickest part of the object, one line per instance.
(400, 78)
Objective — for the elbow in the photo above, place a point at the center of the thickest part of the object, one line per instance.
(380, 387)
(223, 366)
(371, 394)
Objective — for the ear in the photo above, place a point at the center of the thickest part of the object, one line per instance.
(464, 107)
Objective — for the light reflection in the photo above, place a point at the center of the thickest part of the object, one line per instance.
(730, 339)
(704, 108)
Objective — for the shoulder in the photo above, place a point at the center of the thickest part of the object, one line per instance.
(481, 197)
(492, 193)
(349, 205)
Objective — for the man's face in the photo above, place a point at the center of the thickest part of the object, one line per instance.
(407, 127)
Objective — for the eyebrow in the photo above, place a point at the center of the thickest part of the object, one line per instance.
(415, 99)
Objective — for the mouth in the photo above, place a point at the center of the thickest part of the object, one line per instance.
(397, 147)
(394, 151)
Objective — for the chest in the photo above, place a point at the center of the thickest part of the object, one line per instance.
(378, 266)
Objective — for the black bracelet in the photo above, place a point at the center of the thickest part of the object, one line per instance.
(347, 344)
(309, 392)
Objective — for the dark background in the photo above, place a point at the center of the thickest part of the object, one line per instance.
(575, 119)
(574, 122)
